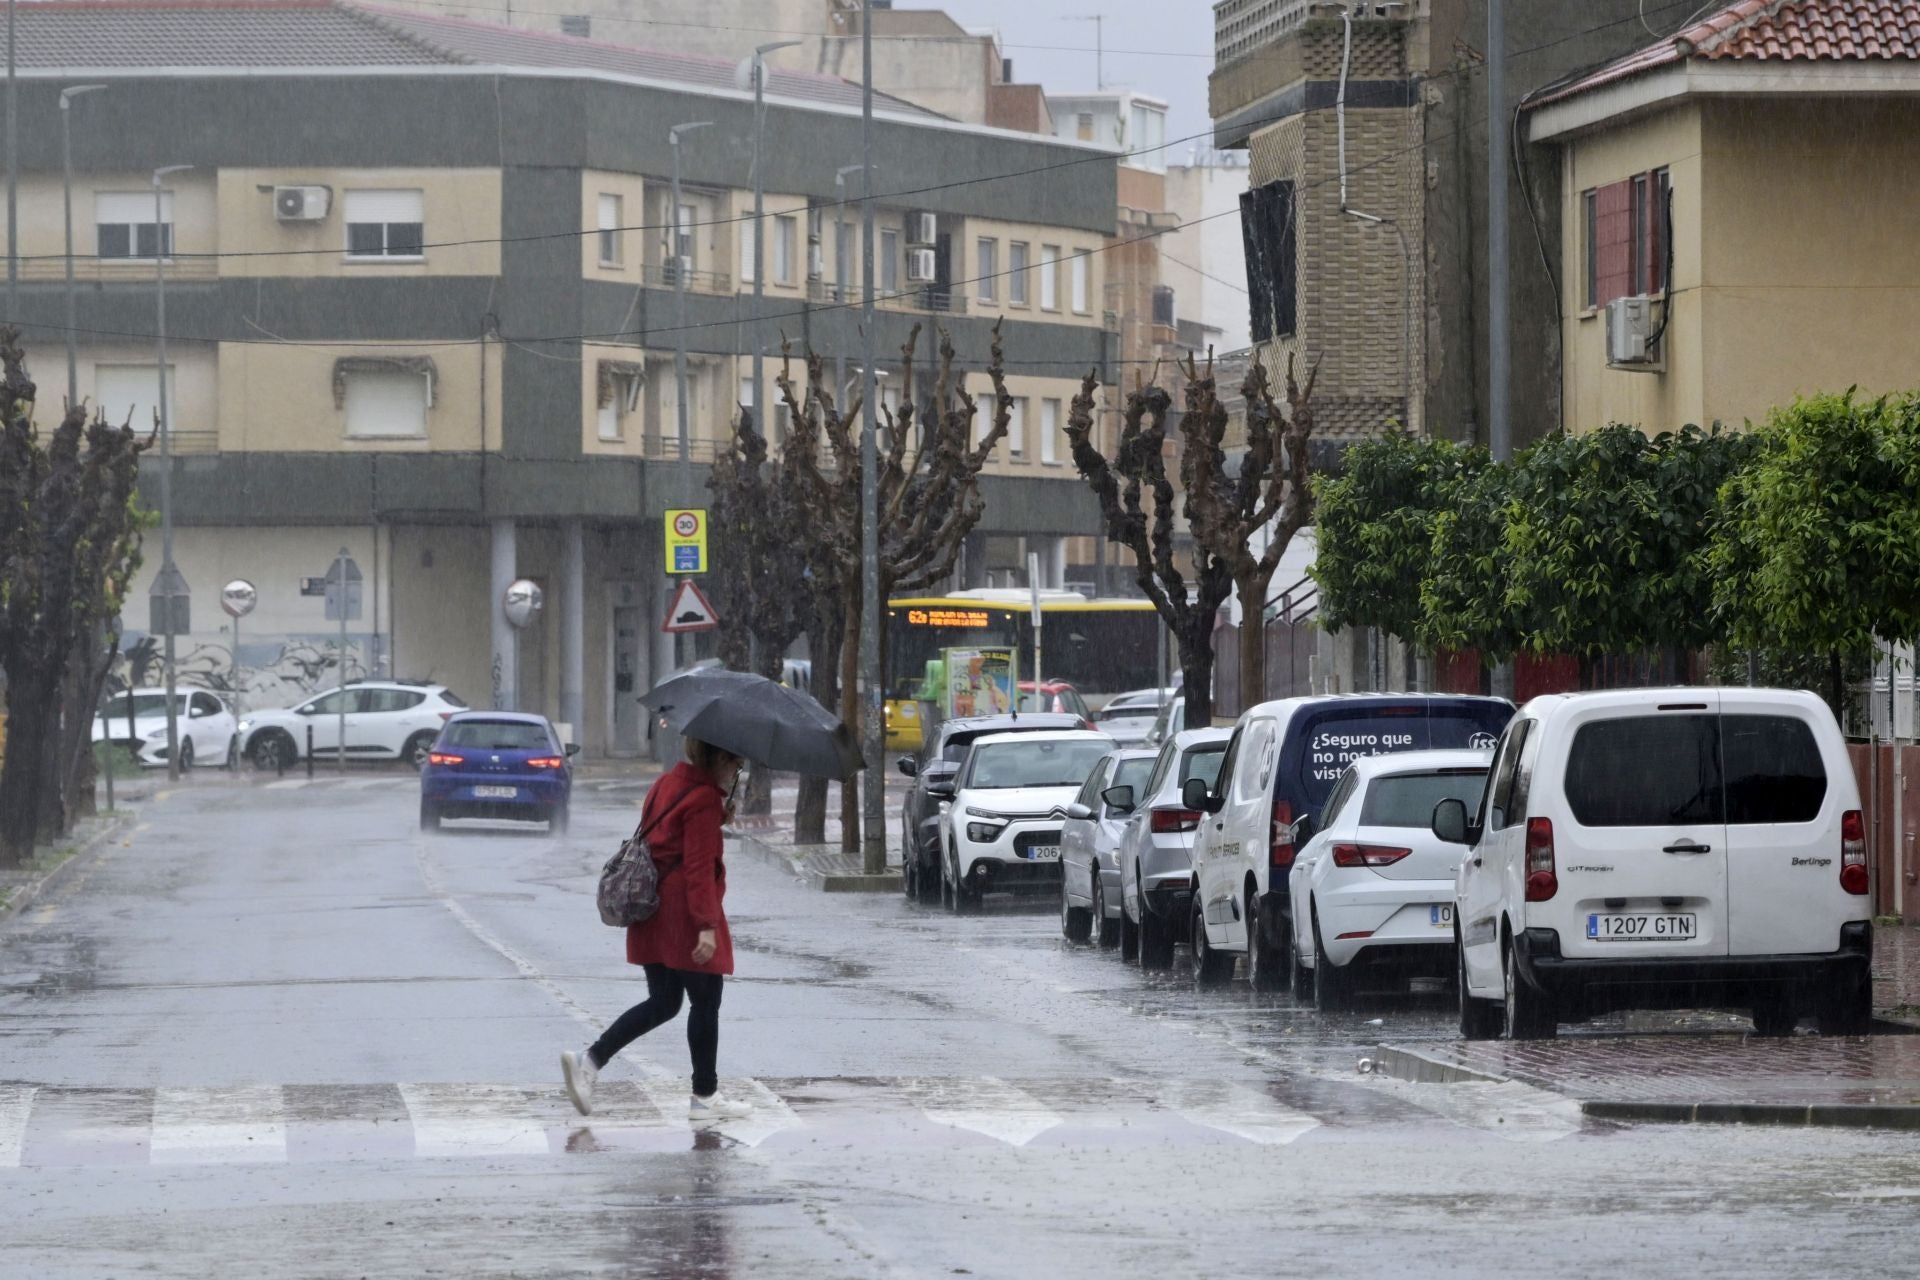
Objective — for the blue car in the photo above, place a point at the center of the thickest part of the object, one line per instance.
(497, 764)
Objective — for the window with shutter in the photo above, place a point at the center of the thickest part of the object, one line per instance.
(1612, 244)
(1267, 234)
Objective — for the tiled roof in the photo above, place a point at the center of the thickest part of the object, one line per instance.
(1773, 31)
(331, 33)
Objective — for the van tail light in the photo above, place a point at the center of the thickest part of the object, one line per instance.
(441, 757)
(1367, 855)
(1542, 883)
(1281, 841)
(1170, 821)
(547, 762)
(1853, 852)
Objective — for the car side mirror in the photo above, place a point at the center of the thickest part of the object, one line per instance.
(1304, 829)
(1079, 812)
(305, 711)
(1120, 797)
(1195, 796)
(941, 782)
(573, 749)
(1450, 821)
(908, 766)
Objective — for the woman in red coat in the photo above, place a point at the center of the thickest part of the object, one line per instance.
(685, 946)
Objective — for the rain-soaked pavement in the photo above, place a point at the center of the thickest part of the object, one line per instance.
(275, 1031)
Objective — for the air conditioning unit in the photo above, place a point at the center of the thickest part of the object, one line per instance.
(920, 266)
(816, 262)
(920, 228)
(1630, 329)
(301, 204)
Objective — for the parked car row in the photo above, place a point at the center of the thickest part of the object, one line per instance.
(1591, 852)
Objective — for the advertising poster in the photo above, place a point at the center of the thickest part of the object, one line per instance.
(980, 682)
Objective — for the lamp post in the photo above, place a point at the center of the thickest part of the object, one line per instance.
(168, 573)
(839, 263)
(67, 96)
(13, 178)
(680, 290)
(757, 69)
(873, 823)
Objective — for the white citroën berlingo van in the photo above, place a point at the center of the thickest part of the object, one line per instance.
(1664, 848)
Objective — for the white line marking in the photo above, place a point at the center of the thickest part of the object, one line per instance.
(480, 1119)
(16, 1105)
(988, 1105)
(244, 1124)
(285, 784)
(1237, 1109)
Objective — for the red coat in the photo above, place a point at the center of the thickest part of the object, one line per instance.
(686, 848)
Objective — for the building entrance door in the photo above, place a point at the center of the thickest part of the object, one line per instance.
(625, 675)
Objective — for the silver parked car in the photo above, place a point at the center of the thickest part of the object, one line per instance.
(1089, 843)
(1128, 717)
(1156, 852)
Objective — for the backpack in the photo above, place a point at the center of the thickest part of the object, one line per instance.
(629, 890)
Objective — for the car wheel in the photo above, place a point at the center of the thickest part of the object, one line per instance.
(1297, 971)
(1076, 923)
(1264, 969)
(927, 880)
(415, 752)
(1479, 1019)
(272, 749)
(1129, 936)
(1156, 941)
(1848, 1010)
(1529, 1016)
(1106, 933)
(1774, 1017)
(1332, 985)
(558, 820)
(186, 753)
(909, 876)
(1210, 967)
(429, 815)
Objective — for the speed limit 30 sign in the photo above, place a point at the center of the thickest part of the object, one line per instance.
(686, 538)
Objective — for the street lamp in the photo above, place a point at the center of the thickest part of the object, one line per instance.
(67, 96)
(839, 260)
(680, 289)
(756, 69)
(169, 575)
(872, 827)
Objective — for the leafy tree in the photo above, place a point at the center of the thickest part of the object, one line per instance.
(1461, 603)
(1375, 529)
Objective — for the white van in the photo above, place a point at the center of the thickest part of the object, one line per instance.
(1281, 765)
(1664, 848)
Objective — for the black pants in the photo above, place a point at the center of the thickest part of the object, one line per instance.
(665, 987)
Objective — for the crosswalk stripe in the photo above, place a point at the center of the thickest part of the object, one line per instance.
(1236, 1109)
(219, 1126)
(987, 1105)
(16, 1104)
(285, 784)
(478, 1119)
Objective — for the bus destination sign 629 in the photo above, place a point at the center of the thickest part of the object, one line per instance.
(970, 619)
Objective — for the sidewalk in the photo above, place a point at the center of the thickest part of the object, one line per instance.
(1726, 1077)
(769, 839)
(21, 886)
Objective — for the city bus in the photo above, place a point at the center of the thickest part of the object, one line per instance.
(1101, 647)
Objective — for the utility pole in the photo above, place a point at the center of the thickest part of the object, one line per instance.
(874, 821)
(13, 210)
(679, 290)
(758, 70)
(1499, 333)
(169, 572)
(67, 96)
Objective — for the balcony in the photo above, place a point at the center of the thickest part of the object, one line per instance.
(90, 270)
(1241, 26)
(663, 274)
(946, 301)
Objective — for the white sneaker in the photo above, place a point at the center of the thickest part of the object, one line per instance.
(580, 1073)
(717, 1107)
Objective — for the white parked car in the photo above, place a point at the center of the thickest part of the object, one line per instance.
(203, 722)
(1156, 854)
(385, 720)
(1664, 848)
(1281, 766)
(1001, 832)
(1372, 889)
(1090, 846)
(1128, 717)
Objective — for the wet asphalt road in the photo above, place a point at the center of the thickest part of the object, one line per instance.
(275, 1031)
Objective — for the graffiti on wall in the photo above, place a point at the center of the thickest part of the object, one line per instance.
(274, 671)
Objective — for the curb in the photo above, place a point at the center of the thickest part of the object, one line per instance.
(1417, 1068)
(825, 881)
(25, 895)
(1829, 1115)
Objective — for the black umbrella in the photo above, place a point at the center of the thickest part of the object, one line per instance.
(758, 720)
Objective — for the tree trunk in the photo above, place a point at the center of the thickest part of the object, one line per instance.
(823, 641)
(757, 798)
(1196, 668)
(1252, 588)
(1836, 682)
(850, 716)
(32, 713)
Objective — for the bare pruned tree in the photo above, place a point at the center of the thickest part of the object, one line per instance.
(927, 491)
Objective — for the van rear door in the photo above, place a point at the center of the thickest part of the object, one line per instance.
(1788, 783)
(1641, 863)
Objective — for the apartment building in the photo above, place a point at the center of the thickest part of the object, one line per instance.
(422, 281)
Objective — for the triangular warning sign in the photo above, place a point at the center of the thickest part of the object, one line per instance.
(690, 611)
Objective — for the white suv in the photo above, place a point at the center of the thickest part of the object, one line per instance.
(1001, 832)
(385, 720)
(1664, 848)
